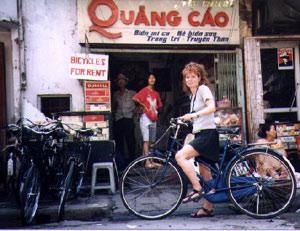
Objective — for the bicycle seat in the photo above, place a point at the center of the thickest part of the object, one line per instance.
(85, 132)
(229, 130)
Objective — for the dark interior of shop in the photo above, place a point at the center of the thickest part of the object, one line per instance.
(167, 68)
(278, 86)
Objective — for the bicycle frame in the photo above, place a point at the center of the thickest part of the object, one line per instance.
(172, 148)
(218, 171)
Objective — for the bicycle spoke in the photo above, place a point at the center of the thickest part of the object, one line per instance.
(136, 189)
(139, 173)
(138, 183)
(257, 203)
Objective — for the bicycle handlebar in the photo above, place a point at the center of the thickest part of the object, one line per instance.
(39, 132)
(59, 125)
(179, 121)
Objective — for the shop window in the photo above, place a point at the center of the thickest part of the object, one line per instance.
(278, 85)
(226, 78)
(50, 105)
(281, 117)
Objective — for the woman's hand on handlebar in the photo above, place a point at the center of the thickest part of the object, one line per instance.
(187, 117)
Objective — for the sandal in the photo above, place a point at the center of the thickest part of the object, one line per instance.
(195, 196)
(208, 213)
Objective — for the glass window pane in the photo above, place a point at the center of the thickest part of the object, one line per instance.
(281, 117)
(278, 85)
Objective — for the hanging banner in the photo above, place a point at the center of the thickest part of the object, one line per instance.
(97, 96)
(285, 57)
(88, 66)
(159, 22)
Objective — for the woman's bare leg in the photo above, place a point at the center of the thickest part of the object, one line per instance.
(145, 148)
(145, 153)
(182, 157)
(206, 173)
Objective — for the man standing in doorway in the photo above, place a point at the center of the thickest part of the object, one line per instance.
(124, 106)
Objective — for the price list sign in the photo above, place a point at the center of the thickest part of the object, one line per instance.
(97, 96)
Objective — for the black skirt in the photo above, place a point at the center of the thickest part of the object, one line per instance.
(206, 143)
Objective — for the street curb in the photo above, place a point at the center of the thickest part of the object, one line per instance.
(87, 209)
(79, 209)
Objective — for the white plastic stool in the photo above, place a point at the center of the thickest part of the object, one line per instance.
(111, 185)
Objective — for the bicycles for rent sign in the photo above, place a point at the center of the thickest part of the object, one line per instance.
(159, 22)
(88, 66)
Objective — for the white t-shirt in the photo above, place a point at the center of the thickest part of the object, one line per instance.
(198, 103)
(125, 104)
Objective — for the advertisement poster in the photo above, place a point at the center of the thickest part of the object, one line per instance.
(285, 58)
(97, 96)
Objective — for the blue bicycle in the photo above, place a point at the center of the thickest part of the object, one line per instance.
(256, 180)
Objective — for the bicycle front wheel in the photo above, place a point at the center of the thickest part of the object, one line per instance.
(261, 183)
(65, 191)
(152, 188)
(29, 194)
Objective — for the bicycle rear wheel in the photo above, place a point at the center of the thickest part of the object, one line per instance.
(29, 194)
(65, 191)
(261, 183)
(152, 193)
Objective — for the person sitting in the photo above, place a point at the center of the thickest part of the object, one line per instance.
(267, 166)
(206, 142)
(267, 134)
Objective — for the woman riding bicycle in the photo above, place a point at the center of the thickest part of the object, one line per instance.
(206, 142)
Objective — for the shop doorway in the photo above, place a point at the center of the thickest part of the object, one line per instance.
(2, 97)
(167, 67)
(221, 68)
(281, 80)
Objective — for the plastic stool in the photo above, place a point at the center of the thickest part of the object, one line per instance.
(111, 185)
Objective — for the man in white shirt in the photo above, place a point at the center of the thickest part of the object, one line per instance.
(124, 107)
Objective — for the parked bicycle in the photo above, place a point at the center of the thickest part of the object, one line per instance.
(245, 176)
(12, 154)
(77, 155)
(41, 165)
(49, 164)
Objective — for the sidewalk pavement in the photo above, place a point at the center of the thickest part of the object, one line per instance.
(98, 207)
(89, 208)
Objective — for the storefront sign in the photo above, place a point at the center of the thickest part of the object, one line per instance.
(285, 58)
(89, 66)
(97, 95)
(159, 22)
